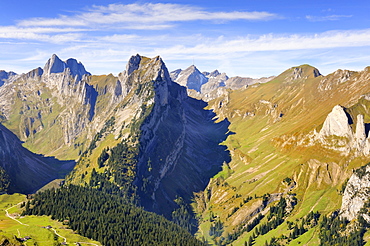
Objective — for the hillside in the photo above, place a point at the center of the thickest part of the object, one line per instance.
(283, 149)
(23, 171)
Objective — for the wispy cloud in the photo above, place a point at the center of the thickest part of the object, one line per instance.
(275, 42)
(326, 18)
(148, 13)
(40, 34)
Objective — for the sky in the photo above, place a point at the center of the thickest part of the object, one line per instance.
(250, 38)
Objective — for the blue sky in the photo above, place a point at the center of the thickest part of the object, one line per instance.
(252, 38)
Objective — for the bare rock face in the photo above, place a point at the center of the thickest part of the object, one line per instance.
(356, 194)
(337, 123)
(215, 80)
(339, 132)
(4, 76)
(191, 77)
(55, 65)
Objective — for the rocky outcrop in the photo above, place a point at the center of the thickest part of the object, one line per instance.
(356, 194)
(337, 123)
(302, 72)
(243, 82)
(339, 132)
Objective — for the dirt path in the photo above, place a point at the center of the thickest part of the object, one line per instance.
(56, 233)
(13, 218)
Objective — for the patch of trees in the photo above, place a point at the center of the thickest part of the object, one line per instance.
(335, 231)
(275, 218)
(184, 215)
(107, 218)
(4, 180)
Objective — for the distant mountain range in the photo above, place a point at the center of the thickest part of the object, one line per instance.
(204, 85)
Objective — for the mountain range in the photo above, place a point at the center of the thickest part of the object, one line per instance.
(275, 161)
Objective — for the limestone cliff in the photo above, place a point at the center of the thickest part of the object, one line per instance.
(345, 132)
(356, 194)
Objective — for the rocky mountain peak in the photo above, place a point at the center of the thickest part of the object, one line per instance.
(301, 72)
(214, 74)
(192, 78)
(174, 74)
(5, 76)
(133, 64)
(35, 72)
(56, 65)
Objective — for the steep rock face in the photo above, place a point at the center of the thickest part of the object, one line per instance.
(4, 76)
(56, 65)
(179, 146)
(191, 77)
(356, 194)
(50, 108)
(27, 171)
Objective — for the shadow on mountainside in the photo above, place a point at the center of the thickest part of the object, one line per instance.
(27, 171)
(180, 152)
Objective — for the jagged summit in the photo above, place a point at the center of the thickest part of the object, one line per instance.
(56, 65)
(5, 75)
(133, 64)
(214, 74)
(191, 77)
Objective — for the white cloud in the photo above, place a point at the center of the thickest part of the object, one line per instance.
(326, 18)
(274, 42)
(148, 13)
(39, 34)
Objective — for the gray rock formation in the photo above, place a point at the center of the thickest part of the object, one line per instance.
(179, 140)
(191, 77)
(356, 194)
(208, 85)
(55, 65)
(243, 82)
(215, 80)
(337, 123)
(4, 76)
(338, 132)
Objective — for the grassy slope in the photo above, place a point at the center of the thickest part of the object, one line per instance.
(39, 235)
(260, 162)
